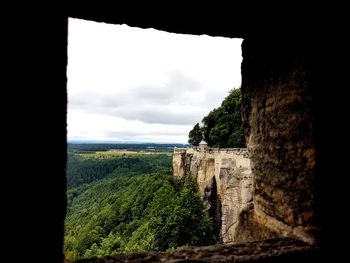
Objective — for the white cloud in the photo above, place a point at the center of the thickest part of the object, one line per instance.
(137, 84)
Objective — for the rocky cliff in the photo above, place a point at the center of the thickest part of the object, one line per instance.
(225, 183)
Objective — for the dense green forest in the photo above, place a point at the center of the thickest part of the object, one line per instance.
(222, 127)
(122, 203)
(86, 168)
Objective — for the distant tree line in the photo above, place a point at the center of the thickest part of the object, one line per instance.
(86, 170)
(222, 127)
(95, 147)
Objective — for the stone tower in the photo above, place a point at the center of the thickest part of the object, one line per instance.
(203, 146)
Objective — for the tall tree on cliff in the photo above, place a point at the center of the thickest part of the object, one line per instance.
(195, 135)
(222, 127)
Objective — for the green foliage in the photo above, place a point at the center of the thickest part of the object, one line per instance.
(222, 127)
(135, 212)
(82, 170)
(187, 224)
(195, 135)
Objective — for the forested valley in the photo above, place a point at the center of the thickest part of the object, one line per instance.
(126, 200)
(123, 198)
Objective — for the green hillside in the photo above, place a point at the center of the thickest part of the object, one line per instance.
(89, 167)
(132, 204)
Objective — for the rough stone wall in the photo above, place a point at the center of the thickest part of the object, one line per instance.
(277, 111)
(284, 250)
(228, 170)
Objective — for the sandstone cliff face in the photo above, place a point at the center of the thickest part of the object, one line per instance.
(224, 180)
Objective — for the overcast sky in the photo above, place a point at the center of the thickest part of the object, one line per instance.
(132, 84)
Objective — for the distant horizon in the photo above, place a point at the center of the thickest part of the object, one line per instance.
(120, 142)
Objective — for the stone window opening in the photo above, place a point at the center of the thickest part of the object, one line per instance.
(283, 221)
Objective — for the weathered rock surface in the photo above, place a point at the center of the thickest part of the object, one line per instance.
(273, 250)
(224, 180)
(279, 126)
